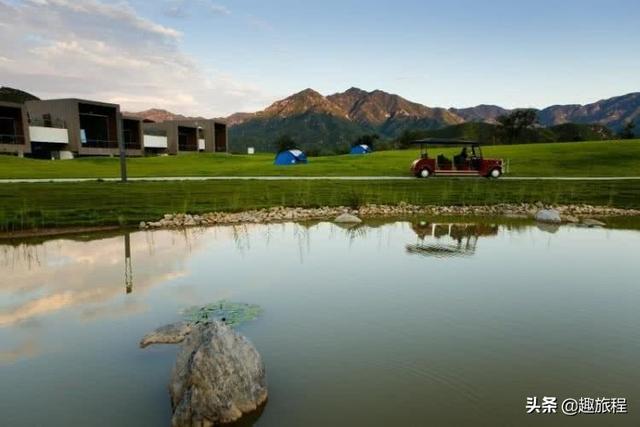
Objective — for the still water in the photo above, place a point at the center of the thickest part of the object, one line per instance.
(405, 323)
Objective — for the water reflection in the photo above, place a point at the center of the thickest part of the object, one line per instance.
(353, 304)
(448, 239)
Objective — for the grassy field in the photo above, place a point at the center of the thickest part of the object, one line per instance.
(609, 158)
(42, 205)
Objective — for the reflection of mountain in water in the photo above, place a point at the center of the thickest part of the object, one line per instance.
(449, 239)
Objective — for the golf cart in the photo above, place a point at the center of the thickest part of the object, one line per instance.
(469, 162)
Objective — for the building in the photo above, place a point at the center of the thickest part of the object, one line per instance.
(66, 128)
(93, 128)
(133, 136)
(189, 135)
(14, 129)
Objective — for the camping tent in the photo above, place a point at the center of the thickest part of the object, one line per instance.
(290, 157)
(360, 149)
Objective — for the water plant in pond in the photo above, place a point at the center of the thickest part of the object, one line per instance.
(232, 313)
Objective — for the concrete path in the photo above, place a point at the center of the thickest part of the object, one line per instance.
(312, 178)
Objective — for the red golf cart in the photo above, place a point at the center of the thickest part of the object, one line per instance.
(468, 162)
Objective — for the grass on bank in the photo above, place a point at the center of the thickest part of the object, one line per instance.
(46, 205)
(601, 158)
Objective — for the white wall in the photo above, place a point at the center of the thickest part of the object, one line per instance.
(50, 135)
(153, 141)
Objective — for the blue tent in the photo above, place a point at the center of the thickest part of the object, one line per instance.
(290, 157)
(360, 149)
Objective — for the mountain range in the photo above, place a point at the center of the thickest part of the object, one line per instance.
(338, 119)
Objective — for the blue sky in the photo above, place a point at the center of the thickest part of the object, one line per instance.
(241, 55)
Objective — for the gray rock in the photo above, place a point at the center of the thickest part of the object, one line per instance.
(143, 224)
(590, 222)
(347, 218)
(218, 377)
(550, 216)
(169, 334)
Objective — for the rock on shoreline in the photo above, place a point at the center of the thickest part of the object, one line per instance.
(218, 376)
(568, 213)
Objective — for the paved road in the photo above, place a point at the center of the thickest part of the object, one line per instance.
(314, 178)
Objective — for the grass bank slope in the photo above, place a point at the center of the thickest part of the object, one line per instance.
(47, 205)
(608, 158)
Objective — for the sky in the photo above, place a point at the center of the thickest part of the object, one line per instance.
(216, 57)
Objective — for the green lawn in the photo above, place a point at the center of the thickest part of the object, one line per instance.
(41, 205)
(609, 158)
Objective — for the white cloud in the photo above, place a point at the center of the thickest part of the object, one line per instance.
(217, 8)
(106, 51)
(182, 8)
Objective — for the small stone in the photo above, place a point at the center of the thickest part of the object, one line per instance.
(143, 225)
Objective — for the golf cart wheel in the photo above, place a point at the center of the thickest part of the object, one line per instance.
(495, 173)
(424, 173)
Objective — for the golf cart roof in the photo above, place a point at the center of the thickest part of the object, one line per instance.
(444, 142)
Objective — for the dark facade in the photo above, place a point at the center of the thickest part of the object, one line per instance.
(95, 128)
(133, 135)
(191, 135)
(14, 129)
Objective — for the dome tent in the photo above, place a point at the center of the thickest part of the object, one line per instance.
(361, 149)
(290, 157)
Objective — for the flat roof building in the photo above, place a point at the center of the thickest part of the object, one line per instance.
(191, 135)
(94, 128)
(14, 129)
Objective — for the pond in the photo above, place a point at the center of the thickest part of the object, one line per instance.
(411, 322)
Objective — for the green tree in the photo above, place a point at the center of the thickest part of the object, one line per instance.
(404, 140)
(368, 140)
(628, 131)
(515, 123)
(284, 142)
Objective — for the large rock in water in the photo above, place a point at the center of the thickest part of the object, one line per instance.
(550, 216)
(218, 377)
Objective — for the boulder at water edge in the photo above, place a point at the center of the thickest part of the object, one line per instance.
(218, 376)
(550, 216)
(347, 218)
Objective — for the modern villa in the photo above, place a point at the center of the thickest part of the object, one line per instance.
(66, 128)
(191, 135)
(14, 129)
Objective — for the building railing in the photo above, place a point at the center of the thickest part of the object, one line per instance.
(99, 143)
(12, 139)
(54, 123)
(188, 147)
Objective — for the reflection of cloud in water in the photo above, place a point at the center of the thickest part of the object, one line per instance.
(26, 350)
(85, 273)
(62, 274)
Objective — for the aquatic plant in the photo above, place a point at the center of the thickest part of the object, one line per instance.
(232, 313)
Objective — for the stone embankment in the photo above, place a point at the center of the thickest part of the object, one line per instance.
(568, 213)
